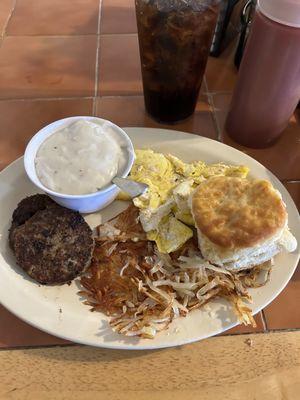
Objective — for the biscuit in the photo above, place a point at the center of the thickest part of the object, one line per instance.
(238, 213)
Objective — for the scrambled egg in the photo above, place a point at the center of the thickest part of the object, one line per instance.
(164, 209)
(170, 235)
(157, 171)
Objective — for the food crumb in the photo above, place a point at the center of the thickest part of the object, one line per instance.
(249, 342)
(60, 310)
(212, 314)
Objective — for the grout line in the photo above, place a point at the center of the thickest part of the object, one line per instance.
(69, 34)
(214, 116)
(119, 96)
(70, 97)
(213, 113)
(119, 34)
(97, 60)
(46, 98)
(53, 35)
(101, 96)
(94, 107)
(3, 34)
(264, 321)
(204, 81)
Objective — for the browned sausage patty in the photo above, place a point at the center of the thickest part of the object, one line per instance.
(54, 245)
(26, 209)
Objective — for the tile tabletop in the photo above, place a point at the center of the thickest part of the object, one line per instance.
(55, 17)
(80, 57)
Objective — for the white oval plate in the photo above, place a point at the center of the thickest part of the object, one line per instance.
(58, 309)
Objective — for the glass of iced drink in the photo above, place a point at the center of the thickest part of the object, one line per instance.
(174, 39)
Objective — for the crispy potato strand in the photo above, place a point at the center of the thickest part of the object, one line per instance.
(143, 290)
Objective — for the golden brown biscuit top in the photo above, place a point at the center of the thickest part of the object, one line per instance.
(237, 213)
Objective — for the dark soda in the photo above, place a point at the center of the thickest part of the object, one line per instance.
(174, 39)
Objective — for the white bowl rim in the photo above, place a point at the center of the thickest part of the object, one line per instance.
(108, 188)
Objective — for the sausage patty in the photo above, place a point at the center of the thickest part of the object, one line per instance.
(26, 209)
(54, 244)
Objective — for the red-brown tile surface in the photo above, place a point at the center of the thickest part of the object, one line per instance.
(47, 66)
(282, 158)
(118, 16)
(130, 111)
(19, 120)
(14, 333)
(221, 73)
(55, 17)
(119, 65)
(284, 311)
(294, 190)
(247, 328)
(6, 7)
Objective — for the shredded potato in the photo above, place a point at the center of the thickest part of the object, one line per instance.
(143, 290)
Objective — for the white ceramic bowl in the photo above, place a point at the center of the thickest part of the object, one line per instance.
(83, 203)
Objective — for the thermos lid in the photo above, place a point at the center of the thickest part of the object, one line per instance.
(286, 12)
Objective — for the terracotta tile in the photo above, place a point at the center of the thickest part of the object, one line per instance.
(118, 16)
(119, 66)
(294, 190)
(221, 73)
(130, 111)
(47, 66)
(282, 158)
(284, 311)
(6, 7)
(247, 328)
(54, 17)
(20, 120)
(14, 333)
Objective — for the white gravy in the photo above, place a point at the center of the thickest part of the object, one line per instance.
(80, 158)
